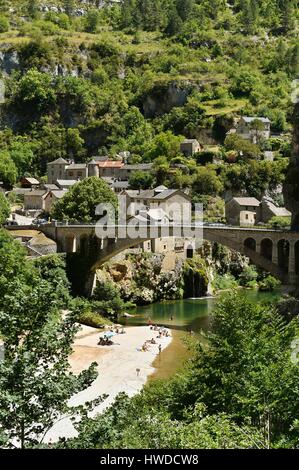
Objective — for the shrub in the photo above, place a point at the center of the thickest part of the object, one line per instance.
(268, 284)
(4, 24)
(93, 319)
(226, 281)
(248, 277)
(280, 222)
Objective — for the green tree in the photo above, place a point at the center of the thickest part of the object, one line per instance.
(4, 208)
(257, 127)
(35, 378)
(34, 92)
(52, 268)
(184, 8)
(206, 181)
(174, 24)
(249, 363)
(164, 144)
(4, 24)
(21, 153)
(92, 21)
(69, 6)
(141, 180)
(8, 171)
(80, 202)
(32, 8)
(244, 147)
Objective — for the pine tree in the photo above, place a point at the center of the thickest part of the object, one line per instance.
(69, 6)
(294, 61)
(174, 23)
(184, 8)
(288, 15)
(32, 8)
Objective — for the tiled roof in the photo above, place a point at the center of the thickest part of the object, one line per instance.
(253, 118)
(151, 194)
(66, 183)
(190, 141)
(59, 193)
(111, 164)
(60, 161)
(247, 201)
(120, 184)
(37, 193)
(138, 166)
(31, 180)
(76, 166)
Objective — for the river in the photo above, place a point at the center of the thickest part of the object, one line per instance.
(182, 316)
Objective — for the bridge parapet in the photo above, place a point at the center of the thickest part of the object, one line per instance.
(277, 251)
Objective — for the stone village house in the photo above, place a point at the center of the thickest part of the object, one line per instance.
(248, 211)
(244, 128)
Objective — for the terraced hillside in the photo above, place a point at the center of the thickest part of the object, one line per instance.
(90, 77)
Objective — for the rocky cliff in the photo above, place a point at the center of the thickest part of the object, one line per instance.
(291, 187)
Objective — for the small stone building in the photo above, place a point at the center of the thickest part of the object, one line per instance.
(29, 183)
(56, 170)
(76, 171)
(245, 128)
(52, 197)
(268, 210)
(189, 147)
(242, 211)
(35, 199)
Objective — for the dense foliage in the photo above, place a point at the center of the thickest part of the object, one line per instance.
(35, 378)
(139, 75)
(239, 390)
(81, 201)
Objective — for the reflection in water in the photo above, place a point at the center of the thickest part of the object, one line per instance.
(187, 314)
(179, 315)
(182, 316)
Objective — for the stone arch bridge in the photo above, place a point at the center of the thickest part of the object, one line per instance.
(276, 251)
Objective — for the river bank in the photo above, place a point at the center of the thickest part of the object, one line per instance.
(117, 368)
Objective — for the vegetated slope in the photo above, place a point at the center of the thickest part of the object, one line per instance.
(89, 77)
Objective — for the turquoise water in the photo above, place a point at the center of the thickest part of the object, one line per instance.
(188, 314)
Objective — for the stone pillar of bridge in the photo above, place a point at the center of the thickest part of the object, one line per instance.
(258, 247)
(76, 243)
(275, 253)
(292, 263)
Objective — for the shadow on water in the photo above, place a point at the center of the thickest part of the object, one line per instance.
(182, 316)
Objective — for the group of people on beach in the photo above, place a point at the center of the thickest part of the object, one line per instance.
(161, 331)
(147, 344)
(117, 330)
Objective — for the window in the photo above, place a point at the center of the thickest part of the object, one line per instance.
(79, 173)
(71, 173)
(246, 216)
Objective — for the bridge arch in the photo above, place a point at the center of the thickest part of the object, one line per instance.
(84, 242)
(283, 249)
(190, 251)
(250, 243)
(267, 248)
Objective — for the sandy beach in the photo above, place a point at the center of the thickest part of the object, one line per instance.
(117, 366)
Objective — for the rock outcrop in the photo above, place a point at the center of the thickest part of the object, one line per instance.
(291, 186)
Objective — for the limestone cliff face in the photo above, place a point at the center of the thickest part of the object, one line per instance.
(291, 186)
